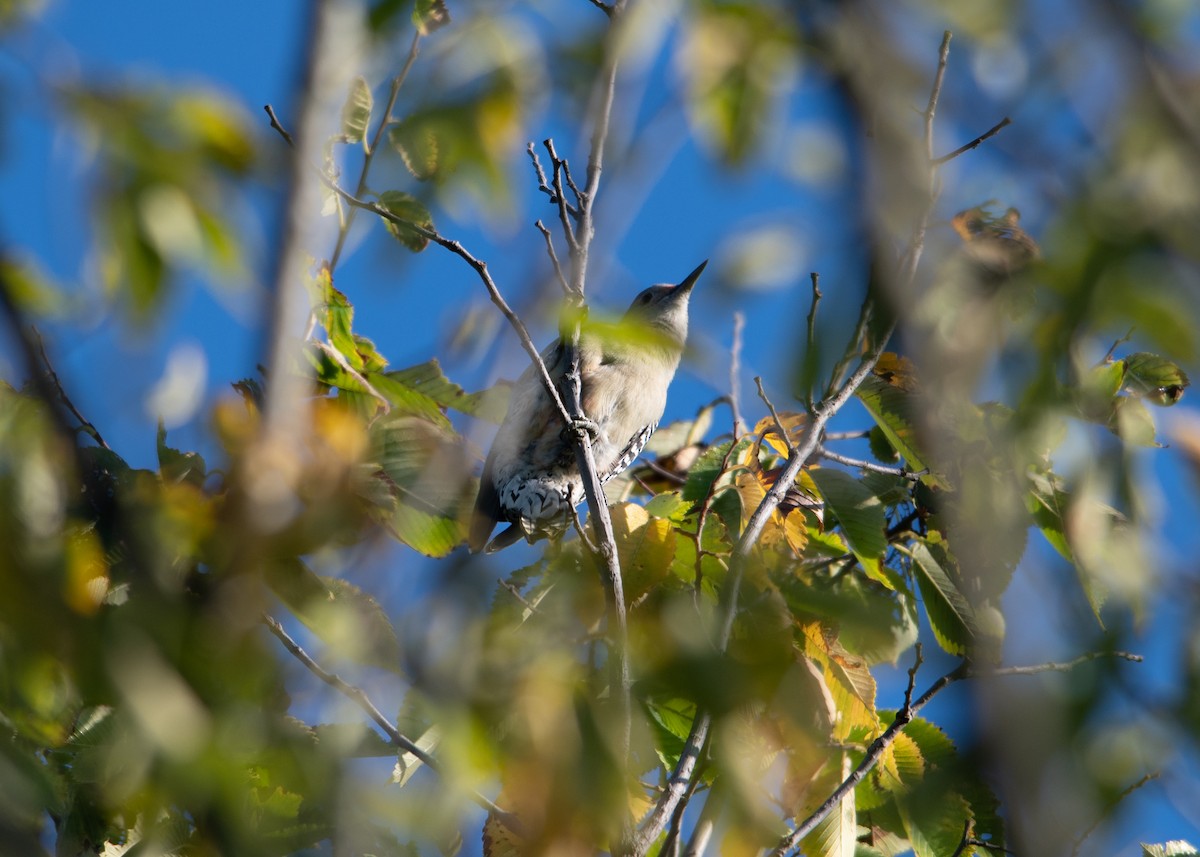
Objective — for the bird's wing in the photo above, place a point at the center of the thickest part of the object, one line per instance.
(631, 451)
(528, 390)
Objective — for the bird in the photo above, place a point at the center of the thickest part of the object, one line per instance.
(530, 478)
(997, 246)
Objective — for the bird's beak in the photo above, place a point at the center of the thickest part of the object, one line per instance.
(690, 279)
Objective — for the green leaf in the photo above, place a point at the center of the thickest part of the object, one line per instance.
(356, 112)
(1157, 379)
(860, 514)
(406, 400)
(430, 15)
(707, 470)
(891, 408)
(670, 505)
(423, 470)
(410, 209)
(429, 380)
(950, 614)
(1048, 505)
(1131, 421)
(837, 834)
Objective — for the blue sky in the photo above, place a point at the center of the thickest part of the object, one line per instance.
(667, 223)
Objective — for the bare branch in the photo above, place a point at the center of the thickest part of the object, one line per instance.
(986, 135)
(84, 424)
(912, 675)
(541, 174)
(565, 210)
(812, 331)
(902, 472)
(558, 271)
(603, 7)
(783, 435)
(275, 123)
(1036, 669)
(369, 151)
(1113, 350)
(1153, 775)
(359, 697)
(481, 269)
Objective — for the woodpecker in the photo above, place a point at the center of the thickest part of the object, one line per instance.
(530, 479)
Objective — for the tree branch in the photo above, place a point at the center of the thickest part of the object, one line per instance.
(359, 697)
(369, 152)
(988, 134)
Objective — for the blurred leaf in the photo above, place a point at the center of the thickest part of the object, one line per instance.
(1158, 380)
(423, 471)
(408, 763)
(429, 380)
(430, 15)
(1174, 848)
(646, 547)
(410, 209)
(356, 112)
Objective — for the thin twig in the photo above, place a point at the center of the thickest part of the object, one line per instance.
(874, 752)
(1128, 336)
(847, 435)
(541, 174)
(558, 271)
(1037, 669)
(359, 697)
(481, 269)
(912, 675)
(566, 211)
(965, 841)
(902, 472)
(812, 333)
(578, 524)
(735, 371)
(603, 7)
(369, 152)
(1153, 775)
(986, 135)
(275, 123)
(84, 424)
(516, 593)
(783, 435)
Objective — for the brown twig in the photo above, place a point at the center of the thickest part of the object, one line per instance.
(275, 123)
(902, 472)
(1113, 350)
(359, 697)
(986, 135)
(1153, 775)
(84, 424)
(558, 271)
(812, 333)
(369, 151)
(779, 428)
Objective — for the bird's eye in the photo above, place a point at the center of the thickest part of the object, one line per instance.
(645, 298)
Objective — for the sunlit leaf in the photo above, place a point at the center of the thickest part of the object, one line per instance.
(1159, 380)
(892, 409)
(356, 112)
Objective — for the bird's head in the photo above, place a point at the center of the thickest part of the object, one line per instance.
(664, 308)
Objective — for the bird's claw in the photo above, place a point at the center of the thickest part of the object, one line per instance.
(579, 427)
